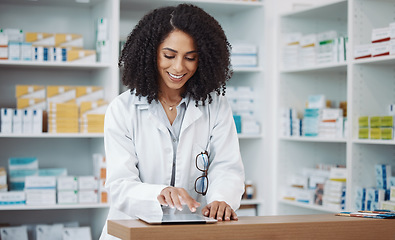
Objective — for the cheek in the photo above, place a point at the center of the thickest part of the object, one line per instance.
(192, 67)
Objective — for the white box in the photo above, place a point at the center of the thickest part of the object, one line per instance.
(88, 196)
(17, 121)
(380, 34)
(40, 182)
(381, 49)
(363, 51)
(27, 120)
(14, 51)
(40, 196)
(37, 121)
(26, 51)
(81, 233)
(49, 232)
(88, 183)
(67, 197)
(67, 183)
(12, 197)
(13, 233)
(6, 120)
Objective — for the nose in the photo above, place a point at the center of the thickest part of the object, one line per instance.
(178, 65)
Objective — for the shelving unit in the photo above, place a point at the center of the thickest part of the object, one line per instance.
(74, 151)
(366, 84)
(70, 151)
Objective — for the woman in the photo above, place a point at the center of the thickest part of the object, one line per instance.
(170, 140)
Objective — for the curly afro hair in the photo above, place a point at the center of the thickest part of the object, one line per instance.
(139, 55)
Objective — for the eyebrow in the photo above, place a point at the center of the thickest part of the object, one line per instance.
(172, 50)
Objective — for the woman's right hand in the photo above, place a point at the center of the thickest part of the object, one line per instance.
(176, 197)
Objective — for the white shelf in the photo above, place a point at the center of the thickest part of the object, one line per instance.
(51, 207)
(309, 206)
(250, 202)
(332, 10)
(383, 60)
(314, 139)
(335, 67)
(373, 141)
(215, 7)
(52, 135)
(249, 136)
(57, 65)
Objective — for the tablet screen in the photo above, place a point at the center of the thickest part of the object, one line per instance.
(176, 219)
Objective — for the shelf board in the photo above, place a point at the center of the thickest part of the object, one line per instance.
(373, 141)
(314, 139)
(336, 9)
(383, 60)
(309, 206)
(217, 6)
(250, 202)
(56, 206)
(61, 3)
(57, 65)
(52, 135)
(247, 69)
(332, 67)
(249, 136)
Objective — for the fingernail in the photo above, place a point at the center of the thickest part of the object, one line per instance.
(179, 208)
(227, 218)
(219, 219)
(205, 213)
(193, 209)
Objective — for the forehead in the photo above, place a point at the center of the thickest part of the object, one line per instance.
(179, 41)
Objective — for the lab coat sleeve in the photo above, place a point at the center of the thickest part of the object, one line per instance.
(127, 193)
(226, 170)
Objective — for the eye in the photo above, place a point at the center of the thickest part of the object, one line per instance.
(190, 58)
(169, 57)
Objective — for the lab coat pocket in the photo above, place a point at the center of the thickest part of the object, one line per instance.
(198, 165)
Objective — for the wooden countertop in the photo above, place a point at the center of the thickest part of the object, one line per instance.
(320, 226)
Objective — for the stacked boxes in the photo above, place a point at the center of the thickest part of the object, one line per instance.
(313, 49)
(88, 187)
(63, 118)
(376, 127)
(242, 102)
(244, 55)
(19, 169)
(100, 170)
(102, 40)
(290, 124)
(67, 189)
(382, 43)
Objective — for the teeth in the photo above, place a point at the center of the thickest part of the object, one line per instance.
(175, 76)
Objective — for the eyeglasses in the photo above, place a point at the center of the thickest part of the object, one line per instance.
(201, 183)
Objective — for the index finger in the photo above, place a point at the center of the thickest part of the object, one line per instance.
(189, 201)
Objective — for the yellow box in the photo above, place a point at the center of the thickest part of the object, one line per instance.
(29, 91)
(61, 94)
(85, 56)
(40, 38)
(375, 122)
(93, 107)
(375, 133)
(387, 133)
(363, 121)
(363, 133)
(61, 107)
(75, 41)
(387, 121)
(31, 103)
(89, 93)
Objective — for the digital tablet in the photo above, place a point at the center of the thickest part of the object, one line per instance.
(176, 219)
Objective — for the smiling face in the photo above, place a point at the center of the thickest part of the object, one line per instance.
(177, 61)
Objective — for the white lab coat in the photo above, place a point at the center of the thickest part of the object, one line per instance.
(139, 155)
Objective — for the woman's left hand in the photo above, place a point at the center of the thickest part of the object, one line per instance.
(219, 210)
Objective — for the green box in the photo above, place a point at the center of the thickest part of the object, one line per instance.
(375, 133)
(375, 122)
(363, 133)
(363, 121)
(387, 133)
(387, 121)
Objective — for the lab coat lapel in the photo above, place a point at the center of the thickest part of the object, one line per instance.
(142, 103)
(192, 114)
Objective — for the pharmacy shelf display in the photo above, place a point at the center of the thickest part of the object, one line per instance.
(74, 151)
(365, 82)
(234, 16)
(303, 73)
(54, 150)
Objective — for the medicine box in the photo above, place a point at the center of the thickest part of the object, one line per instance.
(383, 174)
(12, 197)
(380, 34)
(17, 178)
(81, 56)
(67, 183)
(40, 182)
(19, 232)
(15, 163)
(381, 49)
(26, 51)
(30, 91)
(375, 133)
(88, 196)
(61, 94)
(88, 183)
(89, 93)
(6, 120)
(56, 172)
(40, 196)
(67, 197)
(72, 233)
(363, 51)
(31, 103)
(40, 38)
(363, 122)
(48, 232)
(69, 40)
(14, 51)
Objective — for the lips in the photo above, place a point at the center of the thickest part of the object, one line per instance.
(175, 77)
